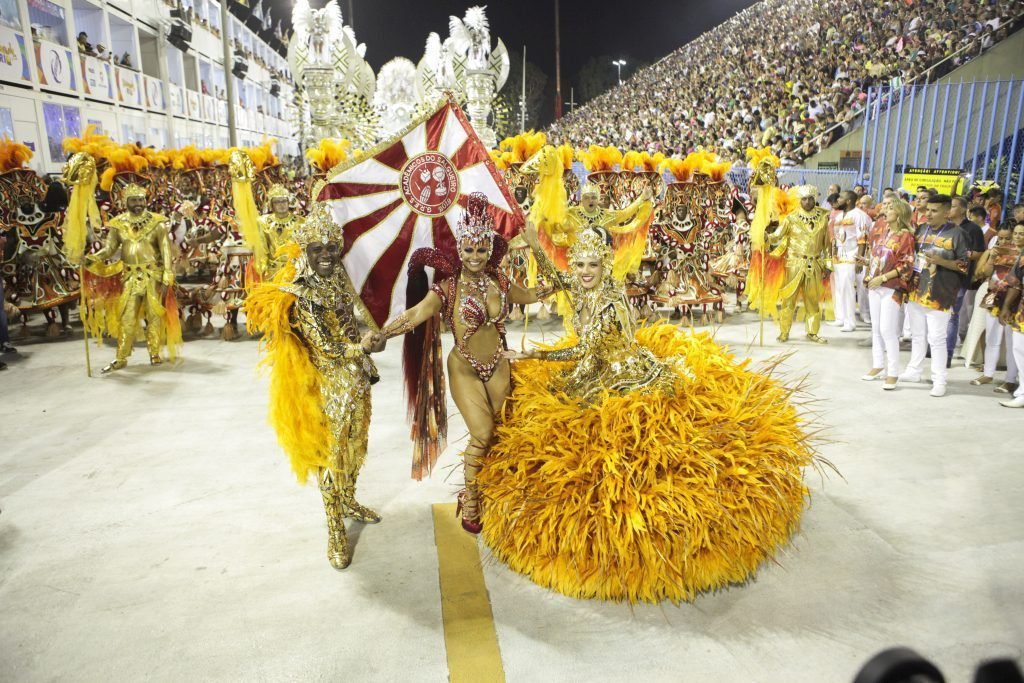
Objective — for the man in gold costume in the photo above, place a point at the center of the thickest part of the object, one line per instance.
(320, 372)
(276, 228)
(802, 239)
(608, 222)
(145, 267)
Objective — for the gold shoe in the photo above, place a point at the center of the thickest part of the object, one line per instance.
(782, 338)
(339, 553)
(114, 365)
(355, 510)
(156, 360)
(816, 339)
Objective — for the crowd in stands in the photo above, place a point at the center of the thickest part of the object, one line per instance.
(792, 74)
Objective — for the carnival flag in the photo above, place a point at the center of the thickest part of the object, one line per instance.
(408, 193)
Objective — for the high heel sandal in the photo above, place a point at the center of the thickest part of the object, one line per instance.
(470, 523)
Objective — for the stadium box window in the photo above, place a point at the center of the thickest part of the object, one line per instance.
(9, 15)
(6, 123)
(47, 21)
(62, 121)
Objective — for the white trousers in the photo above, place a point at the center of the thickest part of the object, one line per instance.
(1018, 356)
(995, 335)
(863, 299)
(928, 330)
(844, 294)
(885, 331)
(972, 350)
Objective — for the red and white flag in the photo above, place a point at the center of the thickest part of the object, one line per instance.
(408, 193)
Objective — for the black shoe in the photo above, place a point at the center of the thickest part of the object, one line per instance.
(949, 362)
(3, 365)
(7, 348)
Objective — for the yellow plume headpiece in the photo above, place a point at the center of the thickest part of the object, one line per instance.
(13, 154)
(597, 158)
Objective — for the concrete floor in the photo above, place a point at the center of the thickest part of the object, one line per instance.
(151, 530)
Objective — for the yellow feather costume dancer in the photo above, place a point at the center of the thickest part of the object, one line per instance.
(560, 225)
(767, 271)
(320, 374)
(642, 467)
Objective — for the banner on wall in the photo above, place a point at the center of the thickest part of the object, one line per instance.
(154, 93)
(13, 57)
(209, 108)
(129, 87)
(193, 104)
(54, 66)
(177, 99)
(96, 80)
(945, 180)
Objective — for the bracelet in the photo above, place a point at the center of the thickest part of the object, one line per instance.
(399, 326)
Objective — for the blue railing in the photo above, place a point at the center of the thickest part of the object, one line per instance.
(976, 127)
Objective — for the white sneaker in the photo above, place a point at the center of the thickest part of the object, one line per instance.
(1013, 403)
(910, 377)
(938, 390)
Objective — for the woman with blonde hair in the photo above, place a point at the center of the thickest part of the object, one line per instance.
(887, 277)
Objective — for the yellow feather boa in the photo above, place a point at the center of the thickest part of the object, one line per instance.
(647, 497)
(296, 406)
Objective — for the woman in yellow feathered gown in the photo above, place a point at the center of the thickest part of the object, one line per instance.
(639, 466)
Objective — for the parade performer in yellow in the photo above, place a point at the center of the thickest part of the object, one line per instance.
(802, 241)
(320, 372)
(276, 228)
(639, 466)
(147, 275)
(560, 224)
(767, 271)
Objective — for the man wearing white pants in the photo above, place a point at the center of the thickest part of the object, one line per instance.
(1012, 315)
(851, 226)
(939, 269)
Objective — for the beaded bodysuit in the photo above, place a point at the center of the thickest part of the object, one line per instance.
(472, 312)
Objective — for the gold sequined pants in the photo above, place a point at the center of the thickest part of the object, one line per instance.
(140, 295)
(804, 281)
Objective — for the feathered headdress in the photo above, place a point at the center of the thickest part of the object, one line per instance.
(13, 154)
(597, 158)
(328, 154)
(523, 146)
(642, 161)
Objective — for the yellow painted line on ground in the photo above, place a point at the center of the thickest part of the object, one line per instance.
(469, 636)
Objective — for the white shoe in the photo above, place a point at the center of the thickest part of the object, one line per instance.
(834, 323)
(909, 377)
(871, 378)
(889, 386)
(848, 328)
(1013, 403)
(938, 390)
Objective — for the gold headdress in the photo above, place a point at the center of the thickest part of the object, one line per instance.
(133, 190)
(590, 188)
(591, 244)
(807, 191)
(278, 191)
(319, 226)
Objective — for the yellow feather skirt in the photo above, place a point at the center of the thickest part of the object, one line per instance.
(645, 497)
